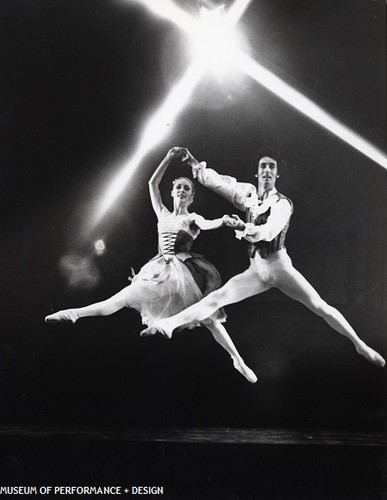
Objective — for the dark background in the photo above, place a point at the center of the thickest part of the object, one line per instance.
(79, 79)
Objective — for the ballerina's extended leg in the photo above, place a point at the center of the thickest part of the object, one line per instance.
(162, 327)
(104, 308)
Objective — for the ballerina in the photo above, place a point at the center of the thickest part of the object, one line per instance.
(268, 215)
(175, 278)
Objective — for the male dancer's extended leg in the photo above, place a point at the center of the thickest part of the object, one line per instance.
(239, 287)
(222, 337)
(109, 306)
(291, 282)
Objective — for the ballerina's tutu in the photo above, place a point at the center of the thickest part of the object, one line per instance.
(177, 278)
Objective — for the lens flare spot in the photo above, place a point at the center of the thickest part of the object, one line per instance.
(99, 247)
(79, 272)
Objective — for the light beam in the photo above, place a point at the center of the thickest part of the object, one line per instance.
(156, 130)
(308, 108)
(236, 11)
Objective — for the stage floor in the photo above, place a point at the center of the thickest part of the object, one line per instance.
(203, 435)
(200, 463)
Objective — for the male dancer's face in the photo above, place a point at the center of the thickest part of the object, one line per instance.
(267, 173)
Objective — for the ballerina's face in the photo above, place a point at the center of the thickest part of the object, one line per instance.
(182, 191)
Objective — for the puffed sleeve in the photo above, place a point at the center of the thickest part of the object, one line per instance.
(279, 216)
(233, 191)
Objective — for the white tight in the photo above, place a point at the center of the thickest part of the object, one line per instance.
(129, 295)
(274, 271)
(122, 299)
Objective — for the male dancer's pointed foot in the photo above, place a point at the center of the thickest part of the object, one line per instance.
(370, 355)
(155, 330)
(245, 370)
(68, 315)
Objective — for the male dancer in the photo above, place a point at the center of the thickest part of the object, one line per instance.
(268, 215)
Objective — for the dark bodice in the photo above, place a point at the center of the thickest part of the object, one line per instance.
(176, 233)
(264, 248)
(173, 243)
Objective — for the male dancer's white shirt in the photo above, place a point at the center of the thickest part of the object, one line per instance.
(244, 197)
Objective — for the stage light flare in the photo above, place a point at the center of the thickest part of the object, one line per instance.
(155, 131)
(166, 9)
(212, 49)
(307, 107)
(214, 42)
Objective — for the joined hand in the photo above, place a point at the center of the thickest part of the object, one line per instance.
(234, 222)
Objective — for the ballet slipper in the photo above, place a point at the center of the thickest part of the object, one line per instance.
(244, 370)
(370, 355)
(68, 315)
(155, 330)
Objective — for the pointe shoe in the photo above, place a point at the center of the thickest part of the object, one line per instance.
(245, 371)
(154, 330)
(68, 315)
